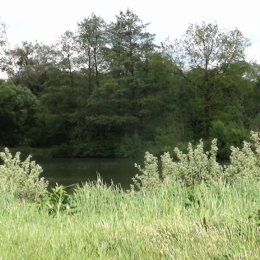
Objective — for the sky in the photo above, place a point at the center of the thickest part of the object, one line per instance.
(45, 21)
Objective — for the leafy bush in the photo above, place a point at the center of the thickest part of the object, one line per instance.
(130, 147)
(194, 167)
(150, 177)
(245, 162)
(255, 123)
(198, 166)
(62, 150)
(57, 201)
(21, 178)
(19, 114)
(228, 135)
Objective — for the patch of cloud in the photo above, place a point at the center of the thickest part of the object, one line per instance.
(253, 52)
(45, 21)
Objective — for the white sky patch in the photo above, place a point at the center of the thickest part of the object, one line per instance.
(253, 52)
(45, 21)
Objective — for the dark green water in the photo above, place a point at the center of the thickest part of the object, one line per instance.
(68, 171)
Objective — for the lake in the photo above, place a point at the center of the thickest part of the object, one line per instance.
(68, 171)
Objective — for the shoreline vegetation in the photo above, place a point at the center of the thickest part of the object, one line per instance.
(107, 90)
(34, 152)
(195, 209)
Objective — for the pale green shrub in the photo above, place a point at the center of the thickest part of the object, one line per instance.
(150, 177)
(194, 167)
(21, 178)
(198, 166)
(245, 162)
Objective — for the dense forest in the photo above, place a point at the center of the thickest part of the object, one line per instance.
(108, 90)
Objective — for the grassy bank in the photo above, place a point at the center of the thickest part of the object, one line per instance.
(216, 222)
(193, 209)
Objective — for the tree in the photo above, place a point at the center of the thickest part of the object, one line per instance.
(212, 60)
(3, 43)
(92, 39)
(59, 103)
(18, 115)
(29, 65)
(66, 51)
(251, 102)
(128, 48)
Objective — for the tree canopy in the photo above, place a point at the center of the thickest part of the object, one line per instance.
(18, 115)
(107, 89)
(213, 61)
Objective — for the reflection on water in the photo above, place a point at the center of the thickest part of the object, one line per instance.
(68, 171)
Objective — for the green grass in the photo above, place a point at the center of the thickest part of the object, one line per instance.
(213, 214)
(172, 222)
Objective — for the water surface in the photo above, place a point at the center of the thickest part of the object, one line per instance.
(68, 171)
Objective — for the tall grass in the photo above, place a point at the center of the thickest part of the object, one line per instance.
(202, 222)
(176, 217)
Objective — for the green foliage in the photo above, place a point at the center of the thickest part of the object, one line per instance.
(244, 162)
(175, 222)
(255, 123)
(58, 201)
(168, 219)
(98, 147)
(34, 152)
(150, 178)
(64, 116)
(19, 110)
(30, 65)
(3, 43)
(21, 178)
(212, 60)
(167, 136)
(92, 38)
(130, 147)
(194, 167)
(105, 83)
(227, 136)
(63, 150)
(198, 167)
(129, 45)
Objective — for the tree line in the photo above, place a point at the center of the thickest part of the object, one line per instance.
(108, 90)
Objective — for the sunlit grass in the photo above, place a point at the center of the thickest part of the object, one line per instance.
(204, 222)
(196, 209)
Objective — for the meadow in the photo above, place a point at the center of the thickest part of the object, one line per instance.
(211, 214)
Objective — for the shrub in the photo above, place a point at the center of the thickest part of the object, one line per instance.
(255, 123)
(21, 178)
(194, 167)
(228, 135)
(57, 201)
(245, 162)
(19, 114)
(150, 177)
(198, 166)
(130, 147)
